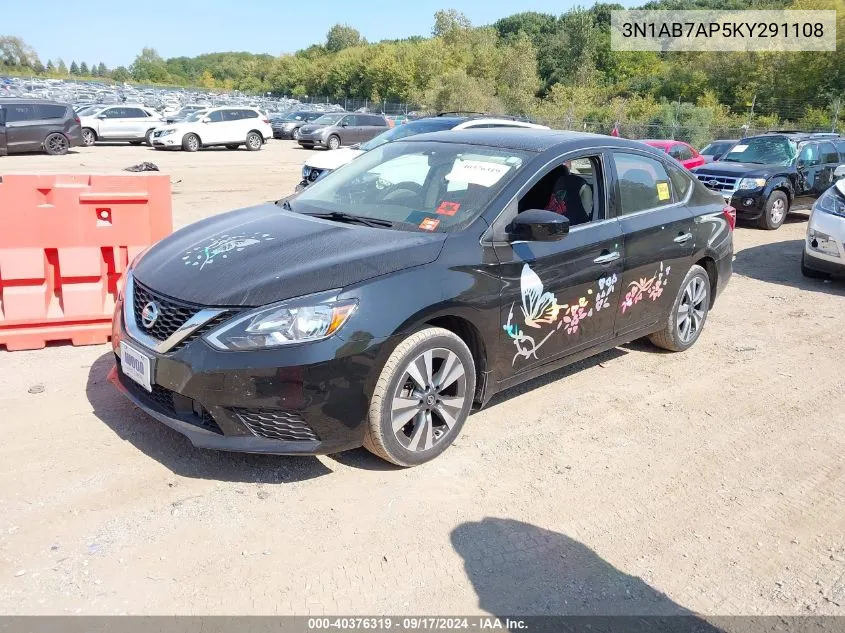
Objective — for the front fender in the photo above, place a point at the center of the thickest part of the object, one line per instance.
(780, 182)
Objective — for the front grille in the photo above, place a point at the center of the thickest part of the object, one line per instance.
(172, 313)
(722, 184)
(276, 424)
(165, 401)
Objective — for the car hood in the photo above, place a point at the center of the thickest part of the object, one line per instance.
(258, 255)
(333, 160)
(722, 168)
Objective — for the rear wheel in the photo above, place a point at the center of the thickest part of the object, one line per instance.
(333, 142)
(254, 141)
(191, 143)
(688, 314)
(422, 398)
(56, 144)
(88, 137)
(777, 206)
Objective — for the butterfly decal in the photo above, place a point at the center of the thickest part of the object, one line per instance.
(537, 306)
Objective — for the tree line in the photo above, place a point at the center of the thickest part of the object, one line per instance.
(556, 67)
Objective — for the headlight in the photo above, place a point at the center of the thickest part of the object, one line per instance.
(315, 173)
(751, 183)
(287, 126)
(283, 324)
(822, 242)
(167, 132)
(831, 202)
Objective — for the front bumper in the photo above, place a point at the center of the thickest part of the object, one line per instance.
(825, 261)
(750, 204)
(305, 399)
(311, 140)
(282, 133)
(171, 140)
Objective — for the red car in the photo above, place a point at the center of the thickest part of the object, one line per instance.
(680, 151)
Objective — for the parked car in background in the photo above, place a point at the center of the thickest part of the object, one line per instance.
(125, 122)
(765, 176)
(824, 246)
(680, 151)
(33, 125)
(184, 112)
(384, 302)
(230, 127)
(287, 126)
(334, 130)
(321, 164)
(717, 149)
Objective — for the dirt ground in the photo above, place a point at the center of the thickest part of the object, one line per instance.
(635, 482)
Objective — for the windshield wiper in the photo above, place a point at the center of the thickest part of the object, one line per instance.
(340, 216)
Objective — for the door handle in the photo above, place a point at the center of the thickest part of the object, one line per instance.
(683, 238)
(606, 258)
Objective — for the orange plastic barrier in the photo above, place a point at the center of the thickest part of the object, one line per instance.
(65, 243)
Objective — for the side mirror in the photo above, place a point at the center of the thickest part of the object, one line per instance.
(538, 225)
(101, 116)
(206, 120)
(838, 173)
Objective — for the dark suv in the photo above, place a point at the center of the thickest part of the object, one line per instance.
(287, 126)
(764, 177)
(34, 125)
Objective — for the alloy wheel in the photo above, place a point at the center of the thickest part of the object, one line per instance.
(429, 399)
(778, 211)
(88, 137)
(193, 143)
(692, 309)
(57, 144)
(254, 141)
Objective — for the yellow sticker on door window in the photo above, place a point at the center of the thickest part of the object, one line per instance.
(663, 191)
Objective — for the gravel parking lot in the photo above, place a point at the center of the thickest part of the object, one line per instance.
(635, 482)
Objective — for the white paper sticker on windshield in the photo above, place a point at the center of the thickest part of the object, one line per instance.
(738, 148)
(477, 172)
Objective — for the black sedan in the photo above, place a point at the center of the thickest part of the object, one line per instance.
(387, 300)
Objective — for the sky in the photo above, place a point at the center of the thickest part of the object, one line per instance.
(114, 33)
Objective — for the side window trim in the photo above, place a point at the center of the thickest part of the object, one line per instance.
(617, 193)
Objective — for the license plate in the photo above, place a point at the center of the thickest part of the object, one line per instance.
(135, 365)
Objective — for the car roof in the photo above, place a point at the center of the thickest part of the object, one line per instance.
(528, 139)
(25, 101)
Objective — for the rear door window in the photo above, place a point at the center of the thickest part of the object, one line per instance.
(231, 115)
(134, 113)
(840, 145)
(18, 113)
(643, 183)
(829, 154)
(46, 111)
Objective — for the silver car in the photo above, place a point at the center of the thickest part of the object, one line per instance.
(338, 129)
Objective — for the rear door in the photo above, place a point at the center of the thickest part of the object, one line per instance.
(372, 128)
(658, 235)
(830, 160)
(135, 123)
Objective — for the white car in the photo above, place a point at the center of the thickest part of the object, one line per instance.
(324, 163)
(124, 122)
(824, 247)
(231, 127)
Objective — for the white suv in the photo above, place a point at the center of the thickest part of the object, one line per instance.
(323, 163)
(125, 122)
(231, 127)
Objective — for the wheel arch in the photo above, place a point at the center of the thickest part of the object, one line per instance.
(709, 265)
(187, 134)
(469, 333)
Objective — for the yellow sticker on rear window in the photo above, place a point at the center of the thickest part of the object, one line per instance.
(662, 191)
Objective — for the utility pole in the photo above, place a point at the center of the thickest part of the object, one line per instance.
(751, 114)
(836, 114)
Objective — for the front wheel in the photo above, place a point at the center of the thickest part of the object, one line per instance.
(333, 142)
(295, 134)
(56, 144)
(422, 398)
(148, 138)
(254, 141)
(688, 313)
(191, 143)
(777, 206)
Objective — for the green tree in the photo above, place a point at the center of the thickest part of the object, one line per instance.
(342, 36)
(50, 67)
(15, 52)
(449, 21)
(149, 66)
(121, 74)
(38, 67)
(533, 25)
(518, 81)
(61, 68)
(102, 71)
(83, 69)
(74, 69)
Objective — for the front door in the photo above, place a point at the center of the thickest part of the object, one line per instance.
(560, 297)
(809, 166)
(220, 128)
(659, 236)
(111, 123)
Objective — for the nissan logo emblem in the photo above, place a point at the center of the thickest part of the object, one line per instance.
(149, 315)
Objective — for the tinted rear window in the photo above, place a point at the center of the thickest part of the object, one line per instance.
(20, 112)
(51, 111)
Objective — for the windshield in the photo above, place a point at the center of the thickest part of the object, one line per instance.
(763, 150)
(196, 116)
(328, 119)
(425, 186)
(408, 129)
(716, 148)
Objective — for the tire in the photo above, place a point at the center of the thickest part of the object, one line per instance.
(254, 141)
(295, 134)
(89, 137)
(191, 143)
(432, 417)
(233, 146)
(675, 336)
(777, 206)
(809, 272)
(148, 137)
(56, 144)
(333, 142)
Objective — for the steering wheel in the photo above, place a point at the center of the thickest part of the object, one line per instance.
(410, 187)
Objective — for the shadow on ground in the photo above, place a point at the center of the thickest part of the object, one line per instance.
(176, 453)
(520, 569)
(780, 263)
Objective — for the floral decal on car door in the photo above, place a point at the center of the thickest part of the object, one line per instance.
(651, 287)
(541, 308)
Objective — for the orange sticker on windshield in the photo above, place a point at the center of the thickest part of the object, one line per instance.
(429, 224)
(448, 208)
